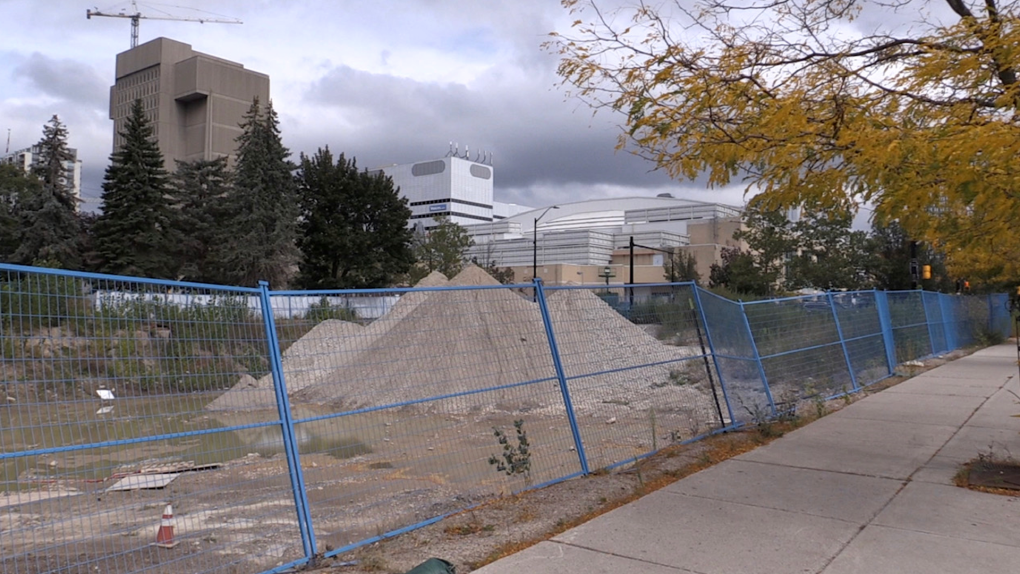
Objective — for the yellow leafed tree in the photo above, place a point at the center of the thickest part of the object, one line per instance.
(906, 104)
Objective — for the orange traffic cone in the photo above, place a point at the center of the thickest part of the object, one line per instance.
(165, 536)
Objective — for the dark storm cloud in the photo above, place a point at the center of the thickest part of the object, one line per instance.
(536, 136)
(64, 79)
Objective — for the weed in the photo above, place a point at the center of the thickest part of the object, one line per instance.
(373, 563)
(817, 400)
(987, 337)
(761, 416)
(469, 529)
(515, 460)
(677, 378)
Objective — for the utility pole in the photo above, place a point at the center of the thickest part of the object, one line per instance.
(913, 265)
(534, 246)
(630, 297)
(137, 16)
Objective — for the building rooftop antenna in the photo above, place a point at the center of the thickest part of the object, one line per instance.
(137, 16)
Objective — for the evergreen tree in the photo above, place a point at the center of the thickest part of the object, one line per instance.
(353, 229)
(831, 254)
(16, 188)
(132, 236)
(197, 193)
(682, 266)
(258, 241)
(442, 248)
(740, 273)
(49, 219)
(770, 239)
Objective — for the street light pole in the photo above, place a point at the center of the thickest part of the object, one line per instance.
(534, 247)
(534, 243)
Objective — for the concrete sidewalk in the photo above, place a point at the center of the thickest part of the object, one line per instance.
(864, 490)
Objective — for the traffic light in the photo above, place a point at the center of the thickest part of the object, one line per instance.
(926, 272)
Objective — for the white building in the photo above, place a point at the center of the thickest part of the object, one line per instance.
(453, 186)
(28, 158)
(588, 232)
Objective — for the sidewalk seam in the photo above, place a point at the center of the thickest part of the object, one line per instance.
(910, 479)
(625, 557)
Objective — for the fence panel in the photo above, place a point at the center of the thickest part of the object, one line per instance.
(861, 324)
(947, 308)
(800, 348)
(971, 319)
(740, 372)
(104, 424)
(936, 326)
(1001, 321)
(639, 379)
(395, 417)
(911, 335)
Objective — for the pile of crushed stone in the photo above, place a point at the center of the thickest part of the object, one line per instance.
(455, 343)
(321, 350)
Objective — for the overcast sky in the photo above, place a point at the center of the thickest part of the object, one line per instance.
(387, 82)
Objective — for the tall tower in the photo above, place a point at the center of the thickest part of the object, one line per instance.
(193, 100)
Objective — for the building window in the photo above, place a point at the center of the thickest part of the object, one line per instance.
(480, 171)
(428, 168)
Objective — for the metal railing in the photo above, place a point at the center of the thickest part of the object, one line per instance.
(339, 418)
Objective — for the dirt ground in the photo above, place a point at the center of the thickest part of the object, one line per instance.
(509, 524)
(239, 517)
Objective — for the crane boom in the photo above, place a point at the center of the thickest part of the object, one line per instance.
(138, 16)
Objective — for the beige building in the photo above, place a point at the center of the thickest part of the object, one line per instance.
(707, 241)
(195, 101)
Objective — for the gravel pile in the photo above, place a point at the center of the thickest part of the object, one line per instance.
(327, 347)
(593, 338)
(452, 343)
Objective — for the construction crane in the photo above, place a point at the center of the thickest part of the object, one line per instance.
(138, 16)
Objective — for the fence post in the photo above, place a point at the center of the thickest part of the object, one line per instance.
(945, 304)
(991, 325)
(560, 375)
(757, 360)
(842, 342)
(885, 320)
(927, 322)
(290, 446)
(711, 349)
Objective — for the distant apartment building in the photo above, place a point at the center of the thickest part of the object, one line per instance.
(28, 158)
(452, 186)
(194, 101)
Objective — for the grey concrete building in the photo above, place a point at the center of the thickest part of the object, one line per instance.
(195, 101)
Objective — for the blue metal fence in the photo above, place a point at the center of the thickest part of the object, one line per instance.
(276, 433)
